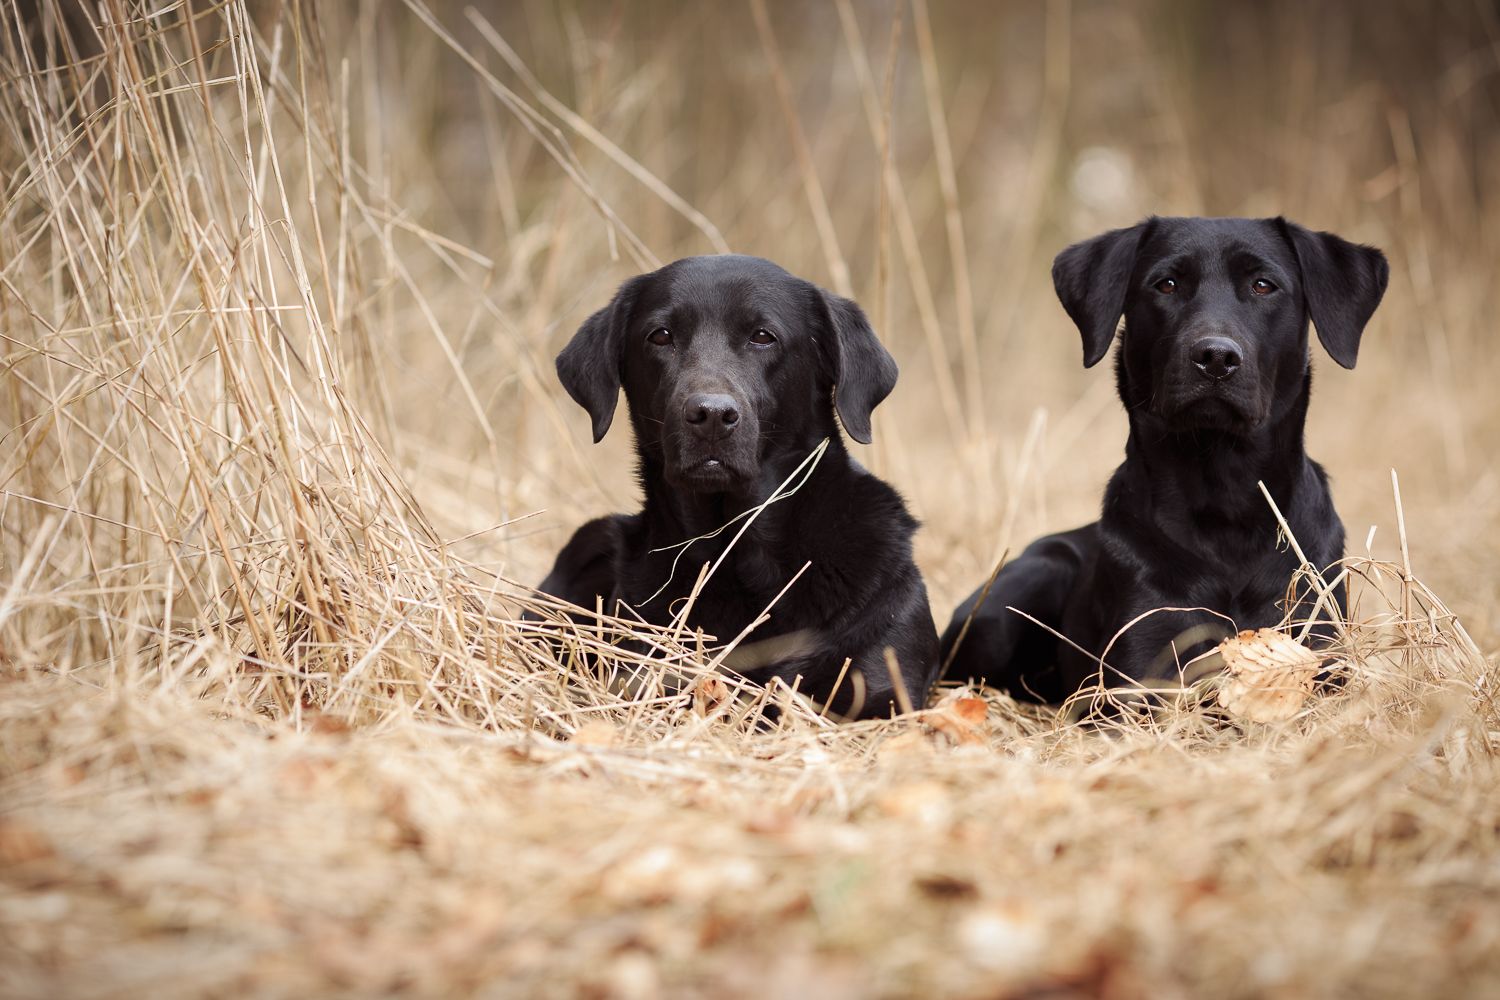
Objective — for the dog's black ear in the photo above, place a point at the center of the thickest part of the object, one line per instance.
(590, 366)
(1092, 279)
(864, 373)
(1342, 282)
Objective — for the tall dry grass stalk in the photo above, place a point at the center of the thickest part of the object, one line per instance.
(279, 290)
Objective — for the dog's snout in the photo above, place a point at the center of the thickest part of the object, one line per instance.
(1216, 357)
(713, 415)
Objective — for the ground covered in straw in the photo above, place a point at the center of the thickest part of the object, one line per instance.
(280, 286)
(157, 845)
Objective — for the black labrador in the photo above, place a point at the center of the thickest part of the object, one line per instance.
(1213, 369)
(732, 370)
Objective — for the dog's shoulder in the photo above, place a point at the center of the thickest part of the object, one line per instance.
(863, 507)
(586, 566)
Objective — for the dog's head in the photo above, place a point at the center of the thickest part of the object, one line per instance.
(728, 363)
(1216, 312)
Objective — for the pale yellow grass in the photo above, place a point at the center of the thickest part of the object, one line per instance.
(279, 293)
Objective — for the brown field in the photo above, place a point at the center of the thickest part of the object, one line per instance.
(280, 286)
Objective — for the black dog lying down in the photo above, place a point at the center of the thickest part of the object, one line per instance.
(1214, 372)
(732, 370)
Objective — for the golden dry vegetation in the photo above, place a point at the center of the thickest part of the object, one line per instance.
(280, 286)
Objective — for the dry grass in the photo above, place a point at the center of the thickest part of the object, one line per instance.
(279, 292)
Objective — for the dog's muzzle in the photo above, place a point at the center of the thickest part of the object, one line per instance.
(714, 444)
(712, 416)
(1212, 385)
(1216, 358)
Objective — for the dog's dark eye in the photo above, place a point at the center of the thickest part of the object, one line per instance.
(1260, 286)
(762, 338)
(1167, 286)
(661, 337)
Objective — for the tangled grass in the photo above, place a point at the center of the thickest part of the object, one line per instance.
(282, 451)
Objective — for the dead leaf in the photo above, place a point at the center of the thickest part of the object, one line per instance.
(959, 717)
(971, 710)
(710, 694)
(1267, 675)
(953, 725)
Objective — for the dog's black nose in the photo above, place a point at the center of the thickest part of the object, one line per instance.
(712, 414)
(1216, 357)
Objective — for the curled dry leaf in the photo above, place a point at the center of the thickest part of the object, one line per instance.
(971, 710)
(1267, 675)
(709, 695)
(959, 719)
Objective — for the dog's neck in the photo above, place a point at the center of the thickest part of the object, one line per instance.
(1189, 475)
(670, 513)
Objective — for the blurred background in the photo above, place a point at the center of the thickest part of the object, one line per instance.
(486, 175)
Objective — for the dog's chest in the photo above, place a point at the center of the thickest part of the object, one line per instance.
(1242, 570)
(742, 584)
(1246, 587)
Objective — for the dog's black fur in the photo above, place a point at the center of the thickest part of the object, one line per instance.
(1213, 369)
(732, 370)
